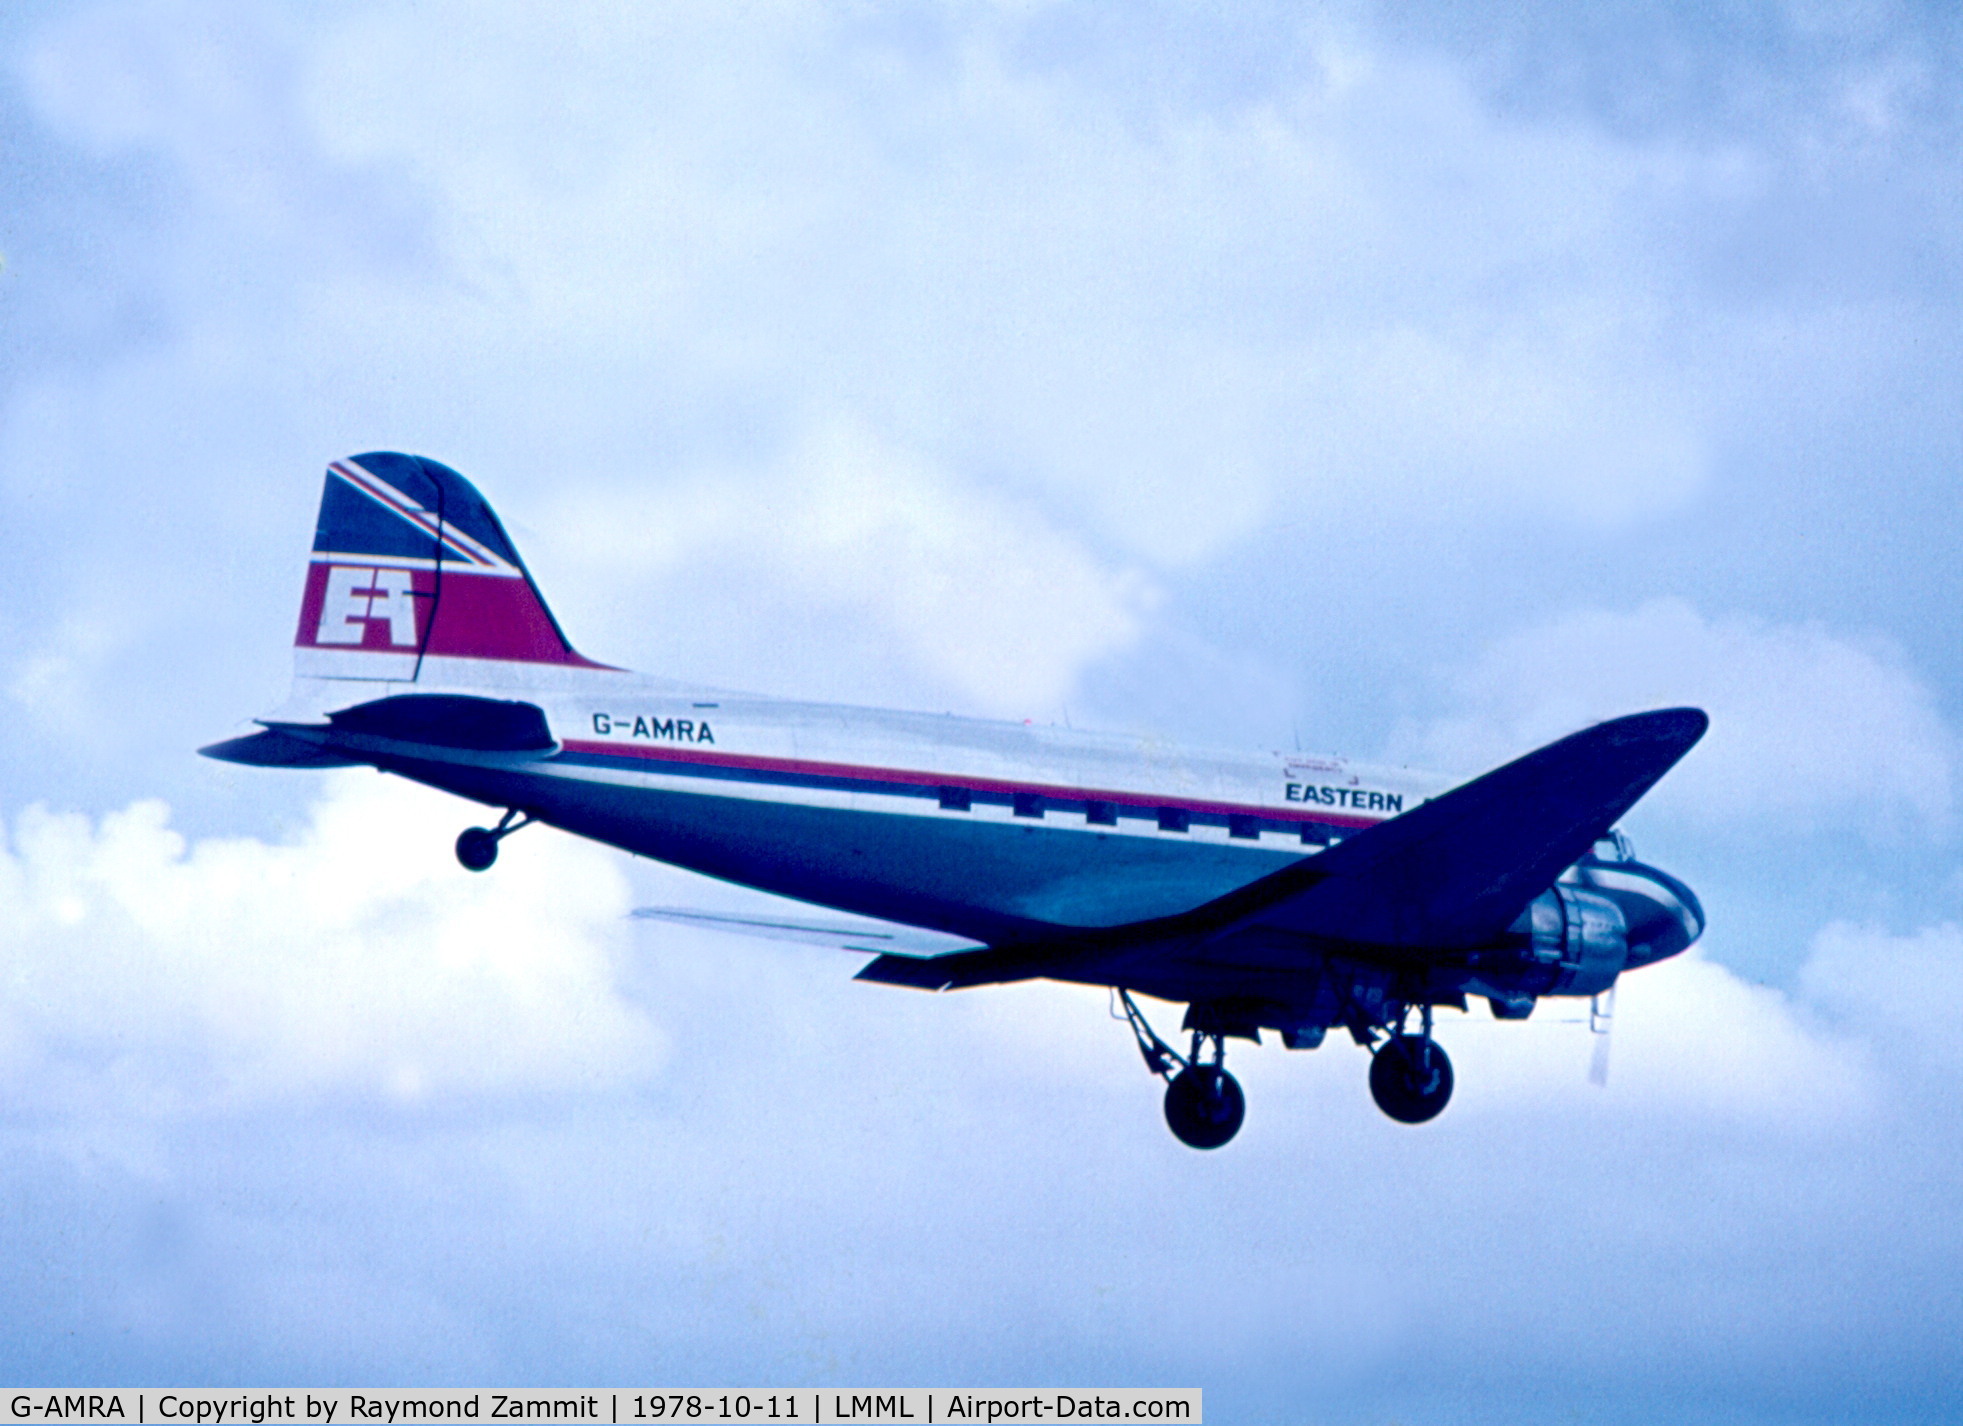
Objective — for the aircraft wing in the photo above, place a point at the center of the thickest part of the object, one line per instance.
(1450, 873)
(1457, 870)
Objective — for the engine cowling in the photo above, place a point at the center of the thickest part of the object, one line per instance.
(1582, 936)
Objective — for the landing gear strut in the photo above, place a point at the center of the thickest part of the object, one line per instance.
(1410, 1077)
(477, 847)
(1204, 1104)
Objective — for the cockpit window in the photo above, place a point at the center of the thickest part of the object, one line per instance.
(1615, 847)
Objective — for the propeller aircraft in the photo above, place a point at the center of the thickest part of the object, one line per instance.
(1272, 892)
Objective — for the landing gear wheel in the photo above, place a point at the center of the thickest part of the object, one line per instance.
(477, 848)
(1204, 1106)
(1410, 1078)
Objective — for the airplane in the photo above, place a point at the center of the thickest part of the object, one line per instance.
(1276, 892)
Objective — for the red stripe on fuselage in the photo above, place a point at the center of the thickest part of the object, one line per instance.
(854, 772)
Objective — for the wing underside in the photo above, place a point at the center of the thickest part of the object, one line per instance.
(1449, 875)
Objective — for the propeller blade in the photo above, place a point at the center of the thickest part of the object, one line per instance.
(1601, 1021)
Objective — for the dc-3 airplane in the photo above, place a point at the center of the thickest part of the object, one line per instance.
(1279, 892)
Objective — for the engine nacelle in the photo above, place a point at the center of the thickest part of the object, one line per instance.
(1582, 935)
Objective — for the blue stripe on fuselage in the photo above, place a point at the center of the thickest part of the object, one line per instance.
(1246, 822)
(973, 876)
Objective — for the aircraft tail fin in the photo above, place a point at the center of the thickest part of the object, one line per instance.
(410, 566)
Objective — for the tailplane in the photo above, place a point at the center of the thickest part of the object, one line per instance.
(411, 569)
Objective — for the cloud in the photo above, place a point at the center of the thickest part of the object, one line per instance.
(1872, 981)
(1105, 334)
(908, 356)
(1807, 726)
(1691, 1041)
(355, 959)
(1351, 291)
(846, 1181)
(978, 590)
(52, 683)
(148, 976)
(212, 90)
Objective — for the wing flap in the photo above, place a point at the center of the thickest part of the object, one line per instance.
(961, 970)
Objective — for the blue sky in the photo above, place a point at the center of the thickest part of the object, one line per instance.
(1404, 381)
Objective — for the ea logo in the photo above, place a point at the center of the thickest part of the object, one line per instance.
(355, 595)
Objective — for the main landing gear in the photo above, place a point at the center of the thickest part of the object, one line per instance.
(1410, 1077)
(1204, 1104)
(477, 847)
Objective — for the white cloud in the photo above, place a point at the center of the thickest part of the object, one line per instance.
(833, 1177)
(151, 977)
(356, 959)
(812, 346)
(1691, 1042)
(1807, 726)
(53, 683)
(1362, 293)
(213, 90)
(979, 589)
(1896, 990)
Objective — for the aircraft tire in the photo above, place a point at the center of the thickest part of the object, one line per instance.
(1204, 1106)
(477, 848)
(1411, 1078)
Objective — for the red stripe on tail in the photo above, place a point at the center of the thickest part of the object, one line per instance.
(375, 607)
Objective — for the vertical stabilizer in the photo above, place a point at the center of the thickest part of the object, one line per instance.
(410, 565)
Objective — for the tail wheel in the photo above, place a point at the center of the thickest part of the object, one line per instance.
(1411, 1078)
(477, 848)
(1204, 1106)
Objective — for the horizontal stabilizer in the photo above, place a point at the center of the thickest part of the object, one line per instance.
(877, 937)
(1457, 870)
(273, 749)
(446, 720)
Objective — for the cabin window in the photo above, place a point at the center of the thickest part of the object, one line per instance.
(1029, 804)
(1101, 814)
(1245, 827)
(1173, 819)
(956, 799)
